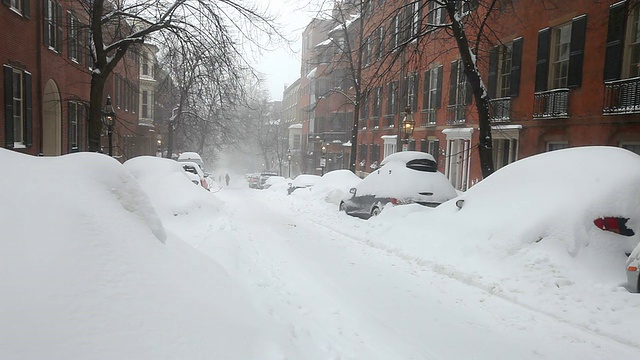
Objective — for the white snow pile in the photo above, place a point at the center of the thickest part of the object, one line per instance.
(86, 271)
(334, 186)
(168, 187)
(526, 233)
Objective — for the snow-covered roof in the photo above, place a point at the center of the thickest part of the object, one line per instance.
(347, 24)
(295, 126)
(324, 43)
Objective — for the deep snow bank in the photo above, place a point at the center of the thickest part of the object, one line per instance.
(83, 275)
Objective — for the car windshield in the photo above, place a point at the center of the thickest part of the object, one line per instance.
(190, 169)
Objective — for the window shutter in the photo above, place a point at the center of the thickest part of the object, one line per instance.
(392, 31)
(425, 89)
(468, 93)
(439, 87)
(576, 56)
(388, 98)
(28, 111)
(516, 64)
(69, 44)
(26, 9)
(493, 71)
(8, 106)
(542, 64)
(423, 145)
(69, 127)
(7, 2)
(416, 84)
(615, 33)
(453, 82)
(58, 23)
(45, 22)
(80, 120)
(88, 56)
(79, 41)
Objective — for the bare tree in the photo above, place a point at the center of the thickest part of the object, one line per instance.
(117, 26)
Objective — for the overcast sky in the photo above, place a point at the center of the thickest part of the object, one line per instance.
(282, 65)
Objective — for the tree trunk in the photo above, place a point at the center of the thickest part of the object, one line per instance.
(95, 111)
(485, 142)
(170, 135)
(354, 139)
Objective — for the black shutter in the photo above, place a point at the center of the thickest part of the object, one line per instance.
(453, 82)
(615, 33)
(516, 64)
(58, 23)
(439, 88)
(423, 145)
(492, 78)
(26, 9)
(69, 43)
(468, 91)
(416, 86)
(7, 2)
(404, 94)
(45, 22)
(576, 56)
(426, 89)
(28, 111)
(389, 86)
(88, 56)
(79, 122)
(8, 106)
(542, 65)
(69, 128)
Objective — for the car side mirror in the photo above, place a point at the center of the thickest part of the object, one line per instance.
(460, 203)
(352, 191)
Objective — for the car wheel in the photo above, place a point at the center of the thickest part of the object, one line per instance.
(343, 207)
(375, 211)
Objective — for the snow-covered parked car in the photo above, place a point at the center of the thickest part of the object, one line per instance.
(633, 272)
(194, 171)
(273, 180)
(190, 156)
(404, 178)
(302, 181)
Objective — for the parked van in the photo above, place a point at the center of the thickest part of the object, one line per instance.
(189, 156)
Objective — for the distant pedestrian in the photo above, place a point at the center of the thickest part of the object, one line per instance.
(227, 178)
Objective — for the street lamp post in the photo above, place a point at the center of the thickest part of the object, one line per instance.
(408, 124)
(289, 161)
(108, 117)
(323, 160)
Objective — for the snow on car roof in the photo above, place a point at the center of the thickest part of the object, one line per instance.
(406, 156)
(189, 155)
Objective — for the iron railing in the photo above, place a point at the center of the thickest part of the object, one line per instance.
(622, 96)
(551, 104)
(500, 109)
(428, 117)
(456, 114)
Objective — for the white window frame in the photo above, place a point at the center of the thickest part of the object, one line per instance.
(505, 59)
(631, 66)
(18, 108)
(559, 64)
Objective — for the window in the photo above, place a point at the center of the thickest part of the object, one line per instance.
(504, 69)
(377, 102)
(459, 93)
(145, 64)
(17, 108)
(436, 15)
(434, 149)
(74, 38)
(415, 18)
(21, 7)
(505, 151)
(145, 104)
(75, 111)
(364, 110)
(560, 55)
(366, 51)
(296, 141)
(632, 51)
(53, 25)
(411, 91)
(557, 145)
(392, 98)
(432, 93)
(394, 36)
(379, 48)
(390, 145)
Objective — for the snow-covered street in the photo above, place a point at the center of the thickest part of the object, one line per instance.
(340, 296)
(140, 263)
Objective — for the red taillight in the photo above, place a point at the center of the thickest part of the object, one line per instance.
(614, 224)
(632, 268)
(395, 201)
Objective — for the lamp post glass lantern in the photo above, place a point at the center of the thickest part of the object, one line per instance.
(323, 160)
(108, 118)
(408, 124)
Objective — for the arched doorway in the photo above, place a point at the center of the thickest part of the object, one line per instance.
(51, 120)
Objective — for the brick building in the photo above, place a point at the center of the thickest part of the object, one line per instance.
(558, 76)
(46, 80)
